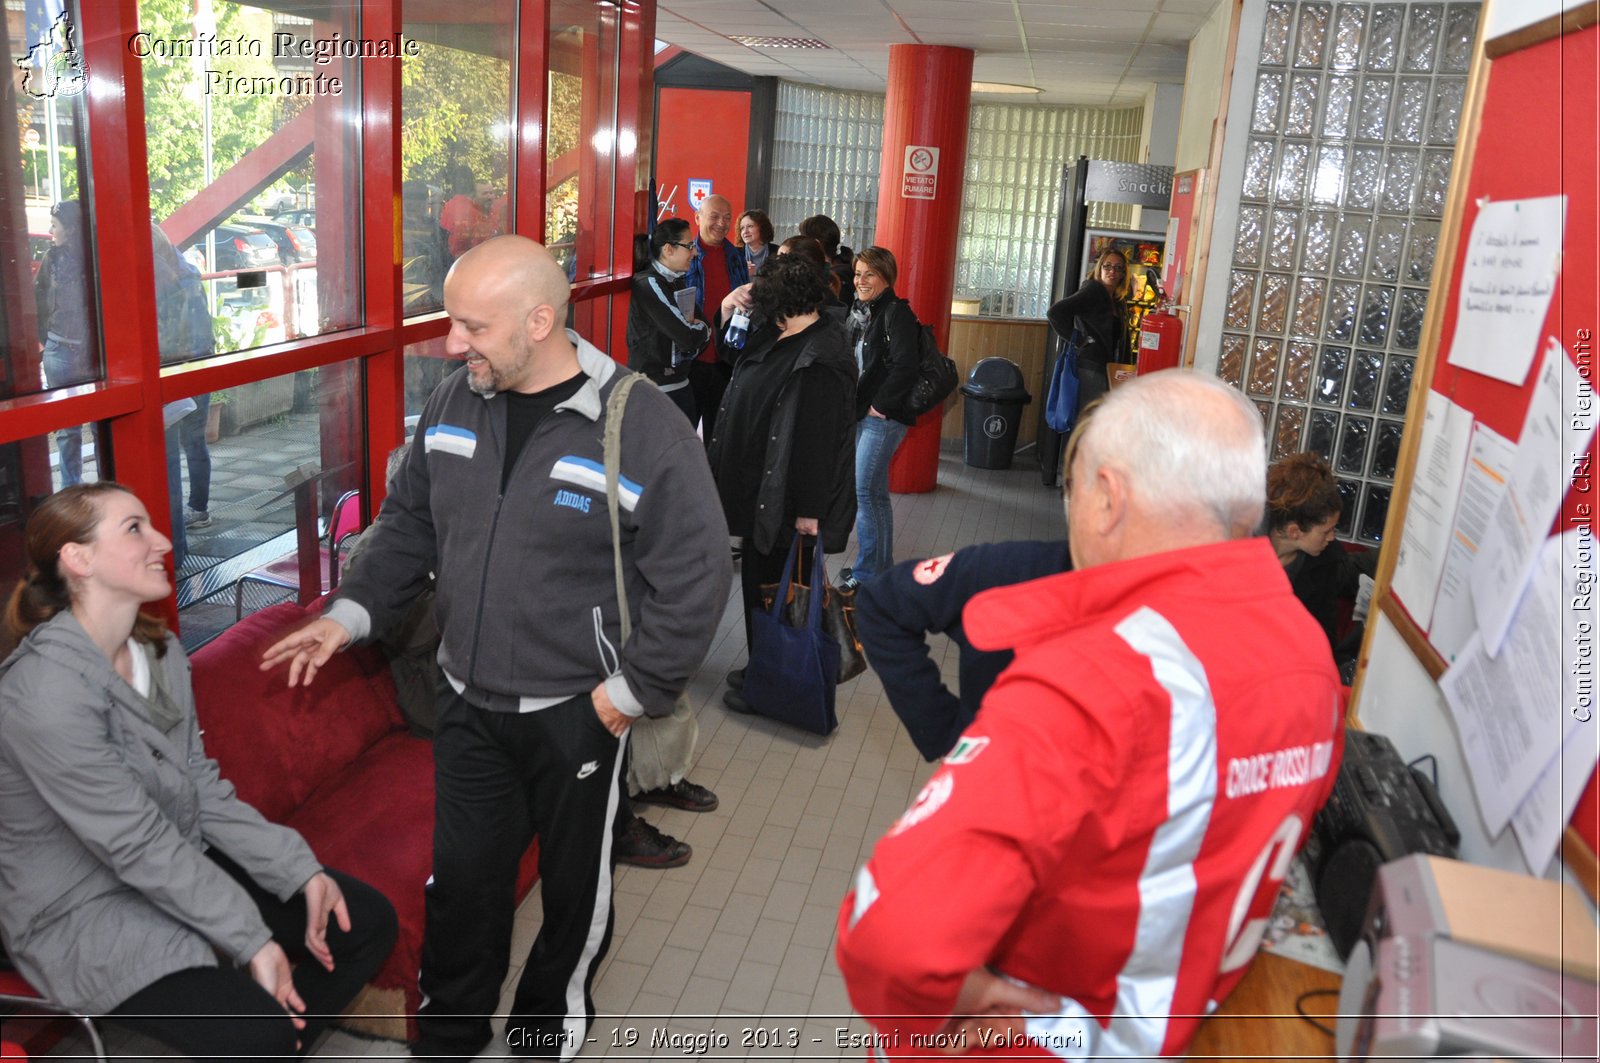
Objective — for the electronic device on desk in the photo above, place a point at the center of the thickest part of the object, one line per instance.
(1459, 959)
(1431, 996)
(1380, 810)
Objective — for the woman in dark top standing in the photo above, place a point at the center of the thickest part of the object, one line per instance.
(662, 338)
(884, 335)
(1098, 310)
(784, 450)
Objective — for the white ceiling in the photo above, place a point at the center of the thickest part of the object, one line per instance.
(1102, 52)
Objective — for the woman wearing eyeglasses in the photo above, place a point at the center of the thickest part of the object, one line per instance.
(666, 330)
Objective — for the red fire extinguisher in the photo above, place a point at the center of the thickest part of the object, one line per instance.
(1160, 340)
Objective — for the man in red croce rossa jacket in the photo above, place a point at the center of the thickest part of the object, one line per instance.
(1091, 869)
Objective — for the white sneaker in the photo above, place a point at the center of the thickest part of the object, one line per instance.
(196, 518)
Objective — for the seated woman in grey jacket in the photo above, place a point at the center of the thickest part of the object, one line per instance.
(131, 869)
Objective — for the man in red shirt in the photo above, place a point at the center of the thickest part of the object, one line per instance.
(1091, 870)
(717, 269)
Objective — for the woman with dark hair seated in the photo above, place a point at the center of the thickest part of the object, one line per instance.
(666, 330)
(784, 449)
(1303, 509)
(130, 865)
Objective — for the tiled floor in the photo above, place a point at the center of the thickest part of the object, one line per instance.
(736, 948)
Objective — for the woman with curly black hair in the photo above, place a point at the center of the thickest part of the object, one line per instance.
(783, 452)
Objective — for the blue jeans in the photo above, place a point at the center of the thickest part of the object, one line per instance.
(180, 537)
(876, 441)
(197, 452)
(66, 365)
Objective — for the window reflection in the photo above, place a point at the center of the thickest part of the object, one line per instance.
(29, 474)
(247, 113)
(48, 310)
(580, 139)
(238, 462)
(455, 119)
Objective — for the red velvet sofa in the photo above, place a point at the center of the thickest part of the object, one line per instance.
(335, 762)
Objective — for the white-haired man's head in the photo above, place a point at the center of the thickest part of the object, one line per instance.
(1169, 460)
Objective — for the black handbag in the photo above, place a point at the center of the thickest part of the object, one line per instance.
(838, 619)
(793, 670)
(937, 375)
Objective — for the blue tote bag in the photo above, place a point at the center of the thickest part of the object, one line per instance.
(1061, 405)
(793, 671)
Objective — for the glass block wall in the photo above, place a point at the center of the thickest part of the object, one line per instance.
(825, 160)
(826, 156)
(1356, 109)
(1011, 206)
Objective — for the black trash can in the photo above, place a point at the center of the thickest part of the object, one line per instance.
(995, 397)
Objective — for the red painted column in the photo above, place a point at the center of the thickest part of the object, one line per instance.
(930, 90)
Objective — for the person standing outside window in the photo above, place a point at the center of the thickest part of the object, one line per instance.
(61, 294)
(883, 333)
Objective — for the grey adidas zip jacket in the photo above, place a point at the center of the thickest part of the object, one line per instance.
(526, 593)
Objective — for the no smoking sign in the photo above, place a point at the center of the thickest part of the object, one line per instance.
(921, 172)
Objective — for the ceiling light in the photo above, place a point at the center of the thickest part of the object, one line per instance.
(1000, 86)
(777, 42)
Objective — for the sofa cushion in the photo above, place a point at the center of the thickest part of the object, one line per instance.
(375, 822)
(276, 744)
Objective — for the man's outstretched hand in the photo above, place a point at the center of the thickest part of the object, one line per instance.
(306, 650)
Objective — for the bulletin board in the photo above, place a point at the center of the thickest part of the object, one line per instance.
(1529, 130)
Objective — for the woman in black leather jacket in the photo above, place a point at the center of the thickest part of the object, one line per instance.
(664, 337)
(1098, 310)
(884, 335)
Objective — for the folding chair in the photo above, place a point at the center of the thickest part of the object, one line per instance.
(344, 523)
(15, 990)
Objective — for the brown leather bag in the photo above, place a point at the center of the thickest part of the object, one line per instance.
(838, 620)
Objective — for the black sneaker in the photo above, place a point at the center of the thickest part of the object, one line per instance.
(642, 845)
(848, 583)
(736, 679)
(681, 794)
(735, 702)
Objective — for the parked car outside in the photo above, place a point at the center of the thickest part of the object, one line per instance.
(306, 216)
(296, 242)
(240, 247)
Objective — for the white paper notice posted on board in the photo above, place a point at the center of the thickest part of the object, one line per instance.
(1513, 259)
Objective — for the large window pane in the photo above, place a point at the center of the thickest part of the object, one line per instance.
(48, 310)
(251, 120)
(455, 119)
(580, 141)
(29, 474)
(232, 468)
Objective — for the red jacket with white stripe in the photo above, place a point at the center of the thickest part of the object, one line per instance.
(1114, 826)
